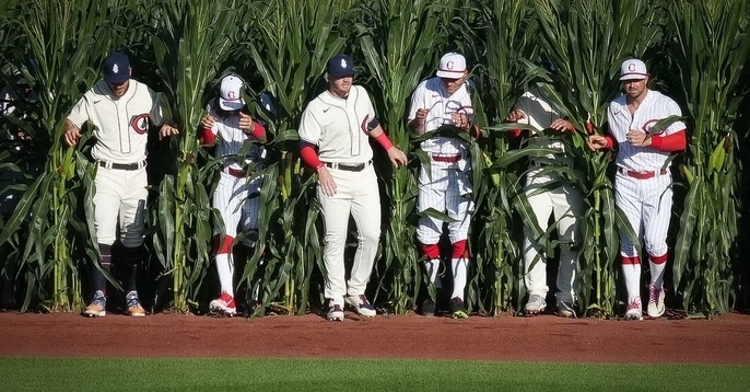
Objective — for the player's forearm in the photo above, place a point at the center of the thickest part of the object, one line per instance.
(258, 132)
(670, 143)
(379, 135)
(416, 127)
(310, 156)
(207, 136)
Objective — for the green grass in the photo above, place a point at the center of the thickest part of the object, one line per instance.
(217, 375)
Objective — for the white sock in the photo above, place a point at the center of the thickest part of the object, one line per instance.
(657, 274)
(225, 267)
(459, 277)
(632, 273)
(432, 267)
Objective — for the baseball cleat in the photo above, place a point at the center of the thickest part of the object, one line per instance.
(134, 305)
(361, 305)
(536, 304)
(458, 310)
(428, 308)
(335, 313)
(565, 309)
(97, 306)
(224, 305)
(634, 311)
(655, 307)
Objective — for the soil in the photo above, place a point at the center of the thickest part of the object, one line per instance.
(724, 340)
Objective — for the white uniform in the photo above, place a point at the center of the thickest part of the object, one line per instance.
(646, 202)
(564, 203)
(338, 127)
(121, 131)
(447, 188)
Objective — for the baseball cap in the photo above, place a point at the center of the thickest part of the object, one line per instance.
(633, 69)
(452, 66)
(340, 65)
(230, 95)
(116, 68)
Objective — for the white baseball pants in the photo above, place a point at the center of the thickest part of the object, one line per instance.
(447, 189)
(647, 204)
(120, 195)
(232, 198)
(357, 195)
(564, 204)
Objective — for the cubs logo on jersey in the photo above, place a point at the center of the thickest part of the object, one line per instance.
(140, 123)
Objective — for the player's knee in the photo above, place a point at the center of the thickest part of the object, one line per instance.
(429, 251)
(656, 248)
(132, 256)
(369, 234)
(460, 249)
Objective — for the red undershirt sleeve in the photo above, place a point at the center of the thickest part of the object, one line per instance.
(674, 142)
(310, 156)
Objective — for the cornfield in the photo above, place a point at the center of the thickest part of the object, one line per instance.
(698, 53)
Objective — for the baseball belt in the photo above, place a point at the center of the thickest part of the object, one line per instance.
(641, 175)
(352, 167)
(446, 158)
(235, 172)
(122, 166)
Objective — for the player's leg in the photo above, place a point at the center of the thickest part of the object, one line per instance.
(249, 226)
(657, 209)
(106, 207)
(628, 200)
(535, 262)
(366, 213)
(459, 206)
(569, 207)
(335, 211)
(132, 220)
(227, 199)
(432, 189)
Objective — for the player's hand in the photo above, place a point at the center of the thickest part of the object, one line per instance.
(461, 120)
(397, 157)
(596, 142)
(72, 136)
(208, 121)
(515, 115)
(638, 138)
(246, 122)
(420, 116)
(167, 130)
(327, 185)
(562, 125)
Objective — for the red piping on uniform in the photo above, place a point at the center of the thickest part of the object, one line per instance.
(430, 250)
(460, 250)
(630, 260)
(658, 259)
(674, 142)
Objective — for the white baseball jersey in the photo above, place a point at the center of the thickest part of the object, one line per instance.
(655, 106)
(6, 101)
(120, 125)
(227, 128)
(430, 94)
(338, 126)
(540, 115)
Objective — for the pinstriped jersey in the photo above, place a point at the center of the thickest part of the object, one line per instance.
(120, 124)
(655, 106)
(232, 138)
(338, 126)
(430, 94)
(540, 114)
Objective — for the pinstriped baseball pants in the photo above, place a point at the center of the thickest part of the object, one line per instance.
(647, 204)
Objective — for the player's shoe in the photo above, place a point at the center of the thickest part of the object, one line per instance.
(361, 305)
(655, 306)
(97, 305)
(224, 305)
(634, 311)
(335, 312)
(565, 309)
(458, 310)
(134, 305)
(428, 308)
(536, 304)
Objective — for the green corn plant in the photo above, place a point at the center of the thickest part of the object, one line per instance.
(506, 33)
(61, 46)
(191, 41)
(290, 45)
(712, 46)
(587, 41)
(399, 42)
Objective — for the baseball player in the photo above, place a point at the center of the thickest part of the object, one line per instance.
(237, 195)
(445, 186)
(564, 202)
(120, 110)
(334, 141)
(642, 181)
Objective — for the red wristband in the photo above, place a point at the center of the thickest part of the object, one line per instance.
(258, 131)
(610, 141)
(384, 141)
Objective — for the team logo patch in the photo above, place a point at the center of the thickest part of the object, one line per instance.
(139, 123)
(631, 67)
(650, 124)
(449, 65)
(232, 96)
(115, 68)
(344, 64)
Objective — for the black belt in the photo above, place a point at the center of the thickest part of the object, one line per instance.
(352, 167)
(122, 166)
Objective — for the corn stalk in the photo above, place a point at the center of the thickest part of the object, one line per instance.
(713, 45)
(587, 41)
(191, 42)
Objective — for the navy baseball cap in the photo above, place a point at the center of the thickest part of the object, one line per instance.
(340, 65)
(116, 68)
